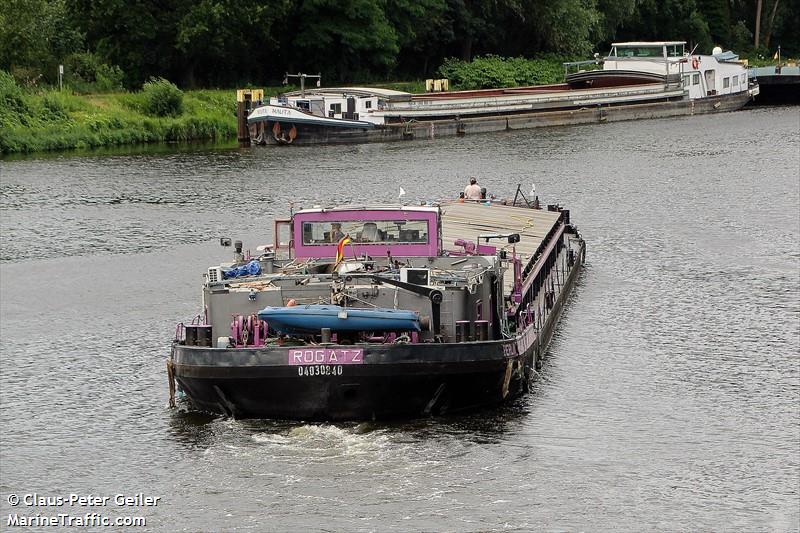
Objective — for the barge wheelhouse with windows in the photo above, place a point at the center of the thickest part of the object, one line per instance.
(380, 312)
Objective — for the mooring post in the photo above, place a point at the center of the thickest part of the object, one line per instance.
(243, 131)
(171, 379)
(246, 101)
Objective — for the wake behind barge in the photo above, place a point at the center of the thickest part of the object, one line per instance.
(361, 313)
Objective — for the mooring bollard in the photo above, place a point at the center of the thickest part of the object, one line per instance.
(246, 101)
(243, 131)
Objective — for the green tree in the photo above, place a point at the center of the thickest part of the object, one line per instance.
(771, 22)
(785, 32)
(228, 40)
(612, 15)
(779, 19)
(422, 30)
(718, 15)
(669, 20)
(343, 39)
(568, 27)
(36, 36)
(563, 27)
(137, 35)
(478, 25)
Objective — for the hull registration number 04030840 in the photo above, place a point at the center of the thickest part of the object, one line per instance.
(319, 370)
(324, 361)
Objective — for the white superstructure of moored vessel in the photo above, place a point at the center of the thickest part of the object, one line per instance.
(701, 76)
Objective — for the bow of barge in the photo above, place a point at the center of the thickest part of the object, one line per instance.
(370, 312)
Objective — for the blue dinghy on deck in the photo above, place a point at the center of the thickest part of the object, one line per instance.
(312, 318)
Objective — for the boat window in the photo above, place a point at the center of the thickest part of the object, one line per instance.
(641, 51)
(696, 78)
(675, 50)
(726, 82)
(370, 231)
(336, 108)
(368, 104)
(735, 81)
(744, 78)
(303, 104)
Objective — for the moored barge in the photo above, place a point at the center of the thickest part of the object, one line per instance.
(377, 312)
(637, 80)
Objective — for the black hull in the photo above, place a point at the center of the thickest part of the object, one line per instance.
(774, 94)
(361, 392)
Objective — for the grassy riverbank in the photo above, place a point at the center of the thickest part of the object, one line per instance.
(58, 120)
(49, 119)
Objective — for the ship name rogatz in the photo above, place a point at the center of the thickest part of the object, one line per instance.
(326, 356)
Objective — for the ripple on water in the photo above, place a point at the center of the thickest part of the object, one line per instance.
(668, 401)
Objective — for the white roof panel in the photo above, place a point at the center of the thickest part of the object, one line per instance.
(648, 43)
(371, 208)
(352, 91)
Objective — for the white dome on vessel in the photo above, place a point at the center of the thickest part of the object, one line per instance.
(717, 50)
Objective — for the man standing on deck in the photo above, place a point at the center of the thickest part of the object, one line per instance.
(473, 190)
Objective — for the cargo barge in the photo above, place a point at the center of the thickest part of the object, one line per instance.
(379, 312)
(637, 80)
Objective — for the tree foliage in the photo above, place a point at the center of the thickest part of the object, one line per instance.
(104, 43)
(342, 38)
(35, 37)
(221, 41)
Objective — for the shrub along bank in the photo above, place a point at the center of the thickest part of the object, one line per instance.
(493, 71)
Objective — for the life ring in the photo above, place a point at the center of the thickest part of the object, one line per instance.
(695, 63)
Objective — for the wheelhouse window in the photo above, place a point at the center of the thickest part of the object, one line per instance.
(368, 104)
(366, 231)
(696, 78)
(336, 109)
(675, 50)
(726, 82)
(744, 78)
(640, 51)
